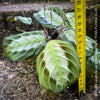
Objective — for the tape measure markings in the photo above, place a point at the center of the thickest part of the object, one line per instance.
(80, 19)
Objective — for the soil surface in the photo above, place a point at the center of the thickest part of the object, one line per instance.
(19, 80)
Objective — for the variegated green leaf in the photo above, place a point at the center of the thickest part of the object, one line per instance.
(26, 20)
(51, 17)
(94, 60)
(24, 45)
(69, 35)
(90, 46)
(58, 66)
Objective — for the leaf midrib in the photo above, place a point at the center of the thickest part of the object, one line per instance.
(40, 39)
(58, 67)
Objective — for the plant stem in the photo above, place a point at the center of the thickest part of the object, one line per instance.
(46, 33)
(71, 17)
(50, 16)
(61, 30)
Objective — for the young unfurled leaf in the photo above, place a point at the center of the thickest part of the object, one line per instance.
(58, 66)
(54, 21)
(24, 45)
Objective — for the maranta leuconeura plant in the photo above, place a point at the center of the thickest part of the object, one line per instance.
(58, 64)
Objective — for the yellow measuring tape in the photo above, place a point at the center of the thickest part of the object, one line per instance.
(80, 19)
